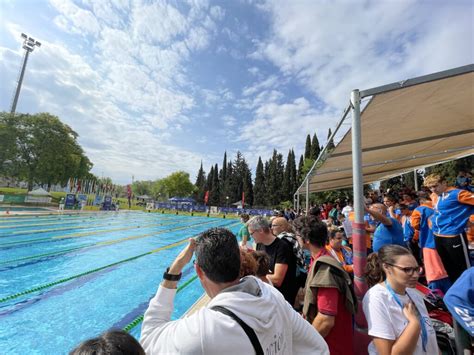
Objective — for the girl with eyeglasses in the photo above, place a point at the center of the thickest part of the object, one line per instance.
(397, 318)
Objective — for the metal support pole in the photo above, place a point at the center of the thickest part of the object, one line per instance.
(307, 195)
(298, 202)
(358, 181)
(415, 176)
(20, 81)
(358, 227)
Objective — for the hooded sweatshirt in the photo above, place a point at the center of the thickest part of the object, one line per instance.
(278, 327)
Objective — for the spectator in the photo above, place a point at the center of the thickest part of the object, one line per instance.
(248, 264)
(435, 273)
(329, 301)
(452, 209)
(396, 314)
(409, 201)
(347, 209)
(210, 330)
(113, 342)
(390, 202)
(243, 236)
(409, 232)
(388, 230)
(460, 300)
(282, 258)
(341, 253)
(263, 265)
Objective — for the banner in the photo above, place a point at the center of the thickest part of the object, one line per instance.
(243, 199)
(70, 200)
(206, 197)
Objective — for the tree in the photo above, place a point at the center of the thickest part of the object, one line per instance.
(314, 148)
(451, 169)
(45, 149)
(214, 192)
(275, 179)
(200, 185)
(300, 170)
(139, 188)
(330, 142)
(178, 184)
(307, 148)
(223, 181)
(259, 187)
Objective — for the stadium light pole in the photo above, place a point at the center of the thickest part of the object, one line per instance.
(29, 45)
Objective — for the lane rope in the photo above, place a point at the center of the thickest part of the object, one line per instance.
(139, 319)
(51, 284)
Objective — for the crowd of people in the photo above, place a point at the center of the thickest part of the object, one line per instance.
(285, 284)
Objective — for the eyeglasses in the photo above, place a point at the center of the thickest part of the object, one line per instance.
(408, 270)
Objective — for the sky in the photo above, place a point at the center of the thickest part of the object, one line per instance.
(153, 87)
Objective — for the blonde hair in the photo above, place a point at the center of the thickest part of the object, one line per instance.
(433, 179)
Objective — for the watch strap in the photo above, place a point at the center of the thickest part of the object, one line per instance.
(171, 277)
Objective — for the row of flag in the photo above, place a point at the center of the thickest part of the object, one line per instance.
(87, 186)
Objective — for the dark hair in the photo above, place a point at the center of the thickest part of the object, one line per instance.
(218, 254)
(388, 254)
(248, 264)
(310, 228)
(314, 211)
(113, 342)
(391, 198)
(263, 263)
(333, 232)
(245, 217)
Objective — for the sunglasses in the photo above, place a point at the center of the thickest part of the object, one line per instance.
(408, 270)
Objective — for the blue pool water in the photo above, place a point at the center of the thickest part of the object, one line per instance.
(64, 279)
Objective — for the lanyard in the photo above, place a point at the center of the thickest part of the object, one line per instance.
(424, 333)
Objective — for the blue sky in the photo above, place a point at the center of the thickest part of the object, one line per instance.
(157, 86)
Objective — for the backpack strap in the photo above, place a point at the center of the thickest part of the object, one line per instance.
(249, 331)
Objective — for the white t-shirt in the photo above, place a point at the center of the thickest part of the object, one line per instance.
(386, 320)
(346, 211)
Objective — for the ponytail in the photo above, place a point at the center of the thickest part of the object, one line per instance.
(373, 270)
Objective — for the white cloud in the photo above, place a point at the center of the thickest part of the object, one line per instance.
(229, 120)
(335, 47)
(77, 19)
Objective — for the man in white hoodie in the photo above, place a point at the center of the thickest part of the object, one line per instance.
(278, 328)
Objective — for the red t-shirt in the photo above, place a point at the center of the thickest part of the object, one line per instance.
(340, 338)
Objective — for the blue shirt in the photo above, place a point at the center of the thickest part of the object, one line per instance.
(460, 300)
(385, 235)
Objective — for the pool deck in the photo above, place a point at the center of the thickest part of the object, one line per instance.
(201, 302)
(50, 211)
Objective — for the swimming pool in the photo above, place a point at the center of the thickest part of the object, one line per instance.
(64, 279)
(22, 209)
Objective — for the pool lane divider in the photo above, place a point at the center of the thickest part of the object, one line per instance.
(34, 231)
(84, 234)
(87, 234)
(139, 319)
(51, 284)
(105, 242)
(63, 221)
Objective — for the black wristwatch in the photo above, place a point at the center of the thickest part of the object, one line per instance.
(171, 277)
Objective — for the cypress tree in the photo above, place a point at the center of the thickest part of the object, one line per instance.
(300, 170)
(259, 187)
(314, 148)
(293, 175)
(286, 187)
(223, 181)
(200, 185)
(307, 148)
(331, 142)
(214, 195)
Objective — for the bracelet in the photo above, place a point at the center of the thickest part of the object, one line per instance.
(171, 277)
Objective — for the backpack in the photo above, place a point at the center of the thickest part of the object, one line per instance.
(297, 250)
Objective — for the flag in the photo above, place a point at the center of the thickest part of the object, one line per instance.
(206, 197)
(243, 199)
(129, 191)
